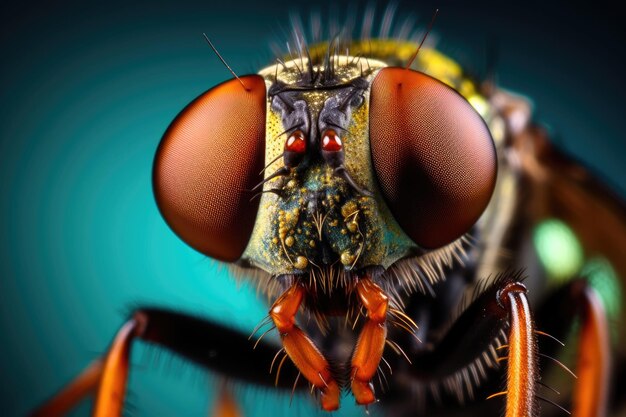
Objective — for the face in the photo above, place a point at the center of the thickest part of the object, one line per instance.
(323, 208)
(333, 162)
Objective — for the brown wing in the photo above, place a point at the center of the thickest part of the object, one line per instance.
(564, 189)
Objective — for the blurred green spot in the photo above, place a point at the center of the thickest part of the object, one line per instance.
(558, 248)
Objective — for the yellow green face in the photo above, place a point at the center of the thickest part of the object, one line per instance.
(326, 208)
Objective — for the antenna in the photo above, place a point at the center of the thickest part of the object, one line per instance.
(430, 26)
(224, 62)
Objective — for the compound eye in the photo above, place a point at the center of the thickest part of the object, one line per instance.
(433, 156)
(331, 142)
(209, 157)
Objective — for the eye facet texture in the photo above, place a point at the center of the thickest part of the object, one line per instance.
(433, 156)
(208, 160)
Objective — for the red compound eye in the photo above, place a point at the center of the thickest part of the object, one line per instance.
(296, 142)
(331, 142)
(432, 153)
(211, 153)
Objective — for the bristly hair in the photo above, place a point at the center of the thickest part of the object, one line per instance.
(463, 382)
(403, 278)
(320, 68)
(420, 273)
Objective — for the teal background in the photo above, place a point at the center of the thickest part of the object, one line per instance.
(88, 89)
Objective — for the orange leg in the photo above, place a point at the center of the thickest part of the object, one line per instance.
(371, 343)
(108, 377)
(112, 390)
(83, 385)
(188, 336)
(593, 358)
(578, 300)
(225, 404)
(522, 361)
(304, 354)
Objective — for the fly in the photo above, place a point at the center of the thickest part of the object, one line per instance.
(373, 188)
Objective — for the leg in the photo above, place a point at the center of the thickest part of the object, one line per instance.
(593, 367)
(463, 363)
(304, 354)
(593, 358)
(83, 385)
(578, 299)
(207, 344)
(522, 368)
(371, 343)
(225, 404)
(112, 390)
(110, 378)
